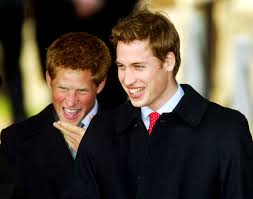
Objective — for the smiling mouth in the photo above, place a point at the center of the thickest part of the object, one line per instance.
(135, 90)
(70, 113)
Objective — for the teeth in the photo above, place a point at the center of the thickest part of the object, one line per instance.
(71, 110)
(135, 90)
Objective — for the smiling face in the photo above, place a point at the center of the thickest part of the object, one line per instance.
(73, 94)
(146, 80)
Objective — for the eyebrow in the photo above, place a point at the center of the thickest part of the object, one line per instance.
(132, 64)
(83, 89)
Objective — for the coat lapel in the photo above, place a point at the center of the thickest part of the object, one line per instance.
(46, 146)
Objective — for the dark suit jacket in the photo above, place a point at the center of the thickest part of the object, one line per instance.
(11, 186)
(40, 153)
(199, 151)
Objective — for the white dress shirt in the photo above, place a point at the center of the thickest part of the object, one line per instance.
(166, 108)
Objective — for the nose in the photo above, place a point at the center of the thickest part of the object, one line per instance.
(126, 76)
(71, 99)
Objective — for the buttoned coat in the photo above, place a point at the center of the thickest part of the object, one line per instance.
(40, 153)
(201, 150)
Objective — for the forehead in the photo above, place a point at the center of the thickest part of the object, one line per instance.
(136, 51)
(72, 76)
(137, 45)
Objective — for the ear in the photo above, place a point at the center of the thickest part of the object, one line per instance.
(169, 62)
(48, 79)
(101, 86)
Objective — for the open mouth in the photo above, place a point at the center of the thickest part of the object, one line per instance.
(71, 114)
(135, 92)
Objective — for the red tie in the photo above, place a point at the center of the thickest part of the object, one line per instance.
(154, 116)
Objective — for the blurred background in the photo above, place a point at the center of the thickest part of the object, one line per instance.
(216, 47)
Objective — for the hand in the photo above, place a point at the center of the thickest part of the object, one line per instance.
(72, 134)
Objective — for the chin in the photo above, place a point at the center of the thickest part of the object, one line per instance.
(74, 122)
(136, 104)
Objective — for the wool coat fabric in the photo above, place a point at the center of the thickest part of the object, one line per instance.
(200, 150)
(40, 153)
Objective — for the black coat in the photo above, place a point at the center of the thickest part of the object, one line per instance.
(199, 151)
(40, 153)
(11, 186)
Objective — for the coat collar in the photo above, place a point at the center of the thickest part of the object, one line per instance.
(42, 122)
(191, 109)
(192, 106)
(37, 124)
(126, 116)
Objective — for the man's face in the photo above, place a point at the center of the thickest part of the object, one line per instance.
(73, 94)
(146, 80)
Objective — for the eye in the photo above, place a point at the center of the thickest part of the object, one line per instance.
(139, 67)
(62, 88)
(121, 67)
(82, 91)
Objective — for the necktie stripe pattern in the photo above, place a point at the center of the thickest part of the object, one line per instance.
(154, 116)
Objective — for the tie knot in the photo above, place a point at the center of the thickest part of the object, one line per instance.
(154, 116)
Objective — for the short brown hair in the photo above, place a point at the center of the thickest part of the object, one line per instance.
(152, 26)
(79, 51)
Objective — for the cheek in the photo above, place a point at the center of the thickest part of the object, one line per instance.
(158, 84)
(120, 75)
(146, 78)
(87, 100)
(58, 97)
(152, 84)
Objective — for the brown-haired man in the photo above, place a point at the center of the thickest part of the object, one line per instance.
(77, 65)
(195, 150)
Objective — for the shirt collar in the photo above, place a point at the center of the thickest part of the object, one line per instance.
(87, 118)
(168, 106)
(129, 117)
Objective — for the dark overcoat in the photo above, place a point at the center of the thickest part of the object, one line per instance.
(39, 152)
(11, 186)
(201, 150)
